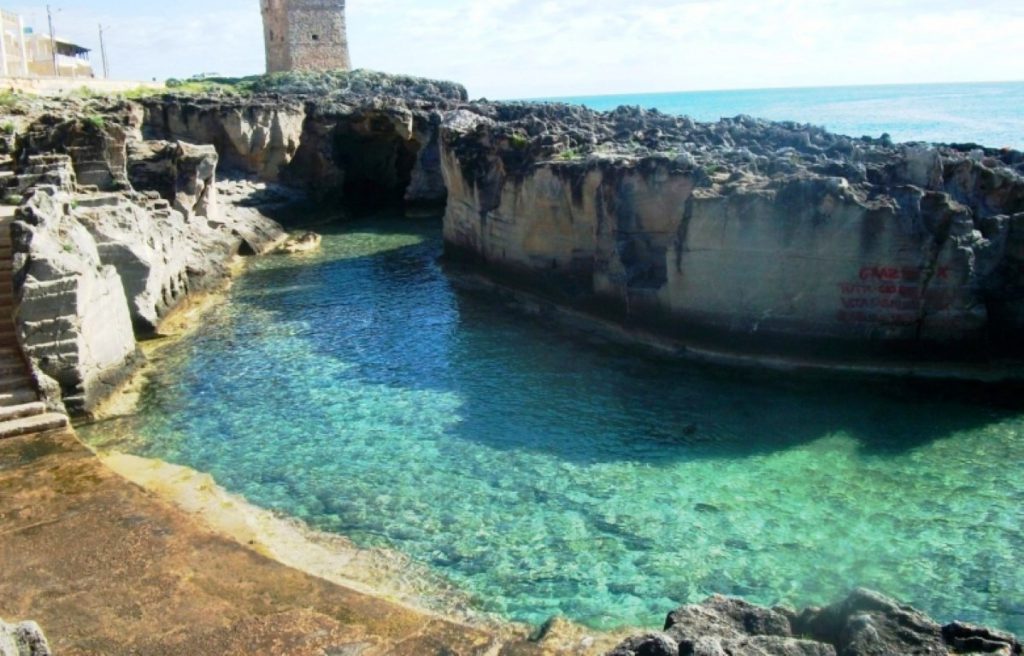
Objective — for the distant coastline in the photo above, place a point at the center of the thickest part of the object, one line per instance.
(979, 112)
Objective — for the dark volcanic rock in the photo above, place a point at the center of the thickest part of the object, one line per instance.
(864, 624)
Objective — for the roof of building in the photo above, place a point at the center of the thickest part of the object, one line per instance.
(74, 46)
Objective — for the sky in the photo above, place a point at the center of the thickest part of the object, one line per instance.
(543, 48)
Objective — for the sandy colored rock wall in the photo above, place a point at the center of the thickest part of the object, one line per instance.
(255, 138)
(802, 262)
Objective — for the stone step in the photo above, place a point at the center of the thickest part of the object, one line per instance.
(28, 425)
(11, 367)
(20, 411)
(14, 382)
(19, 397)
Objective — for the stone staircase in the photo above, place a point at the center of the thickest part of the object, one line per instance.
(21, 412)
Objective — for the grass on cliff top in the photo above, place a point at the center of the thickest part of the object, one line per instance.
(320, 83)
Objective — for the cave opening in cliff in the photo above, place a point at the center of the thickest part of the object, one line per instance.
(378, 165)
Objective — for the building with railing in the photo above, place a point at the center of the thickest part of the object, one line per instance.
(27, 54)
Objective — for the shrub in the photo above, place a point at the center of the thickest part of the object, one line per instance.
(95, 121)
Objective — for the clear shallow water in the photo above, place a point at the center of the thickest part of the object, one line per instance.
(547, 473)
(991, 114)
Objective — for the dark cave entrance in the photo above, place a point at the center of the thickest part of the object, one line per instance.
(377, 168)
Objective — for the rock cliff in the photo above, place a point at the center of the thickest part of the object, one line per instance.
(864, 624)
(99, 264)
(743, 234)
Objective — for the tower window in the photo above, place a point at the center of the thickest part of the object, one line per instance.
(316, 37)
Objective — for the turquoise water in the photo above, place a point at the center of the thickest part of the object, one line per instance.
(991, 114)
(546, 472)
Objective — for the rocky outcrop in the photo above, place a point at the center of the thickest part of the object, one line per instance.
(95, 269)
(255, 137)
(183, 174)
(71, 314)
(24, 639)
(864, 624)
(367, 149)
(745, 234)
(96, 143)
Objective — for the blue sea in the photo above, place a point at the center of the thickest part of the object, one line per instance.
(990, 114)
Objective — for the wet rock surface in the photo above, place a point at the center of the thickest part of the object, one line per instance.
(864, 624)
(106, 567)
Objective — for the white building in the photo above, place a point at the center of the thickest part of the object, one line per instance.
(26, 54)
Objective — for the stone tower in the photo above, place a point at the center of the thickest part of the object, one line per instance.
(305, 35)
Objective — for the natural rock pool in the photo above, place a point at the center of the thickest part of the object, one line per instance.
(546, 472)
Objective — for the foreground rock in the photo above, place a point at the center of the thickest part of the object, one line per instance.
(24, 639)
(864, 624)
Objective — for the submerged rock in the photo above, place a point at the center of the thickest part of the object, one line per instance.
(304, 243)
(864, 624)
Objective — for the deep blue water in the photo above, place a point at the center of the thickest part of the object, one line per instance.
(991, 114)
(545, 472)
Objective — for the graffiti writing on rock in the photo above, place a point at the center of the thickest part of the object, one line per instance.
(895, 295)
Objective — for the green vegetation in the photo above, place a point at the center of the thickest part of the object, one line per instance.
(13, 199)
(518, 140)
(85, 92)
(568, 155)
(204, 87)
(8, 127)
(140, 92)
(9, 99)
(95, 120)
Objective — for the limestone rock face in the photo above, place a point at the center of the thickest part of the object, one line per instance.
(368, 149)
(24, 639)
(148, 247)
(743, 235)
(259, 138)
(184, 174)
(97, 147)
(864, 624)
(95, 269)
(72, 315)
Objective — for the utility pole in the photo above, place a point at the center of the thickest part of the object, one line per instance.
(103, 51)
(53, 41)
